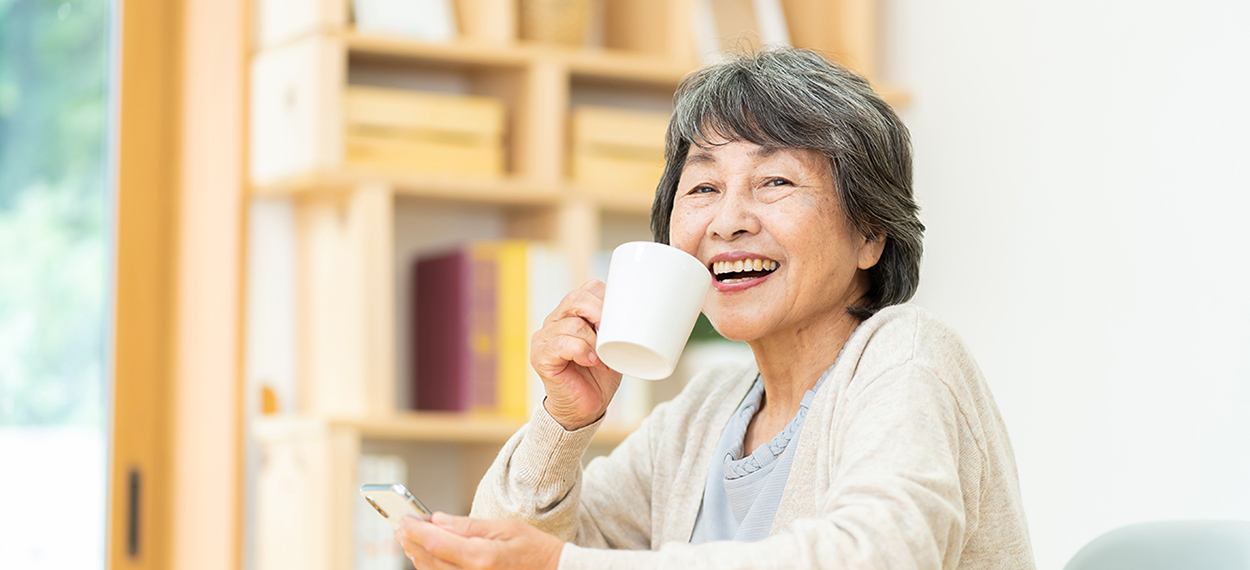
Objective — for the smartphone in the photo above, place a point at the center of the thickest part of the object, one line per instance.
(394, 502)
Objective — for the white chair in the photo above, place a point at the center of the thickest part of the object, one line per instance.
(1169, 545)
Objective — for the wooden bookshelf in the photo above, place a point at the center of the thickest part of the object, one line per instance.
(353, 235)
(508, 191)
(410, 427)
(613, 201)
(459, 53)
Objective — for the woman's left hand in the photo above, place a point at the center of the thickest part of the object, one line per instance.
(461, 542)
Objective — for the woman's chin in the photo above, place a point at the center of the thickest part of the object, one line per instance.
(736, 331)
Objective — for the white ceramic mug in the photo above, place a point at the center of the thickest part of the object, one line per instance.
(655, 293)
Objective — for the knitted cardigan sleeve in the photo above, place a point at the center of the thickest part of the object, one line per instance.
(538, 478)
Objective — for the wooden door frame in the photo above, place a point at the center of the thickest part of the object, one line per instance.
(179, 150)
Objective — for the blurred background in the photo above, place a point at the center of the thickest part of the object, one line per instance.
(54, 276)
(1079, 168)
(215, 216)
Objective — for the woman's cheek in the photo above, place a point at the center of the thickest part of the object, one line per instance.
(682, 234)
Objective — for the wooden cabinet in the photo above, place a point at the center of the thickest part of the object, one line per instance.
(350, 231)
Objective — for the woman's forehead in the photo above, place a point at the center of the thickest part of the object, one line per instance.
(723, 152)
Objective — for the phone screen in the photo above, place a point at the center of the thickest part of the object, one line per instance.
(394, 502)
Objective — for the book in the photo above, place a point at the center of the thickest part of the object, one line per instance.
(441, 330)
(474, 310)
(548, 280)
(615, 147)
(411, 130)
(454, 330)
(511, 291)
(429, 20)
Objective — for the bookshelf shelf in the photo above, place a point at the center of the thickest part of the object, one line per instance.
(603, 64)
(625, 67)
(503, 191)
(510, 191)
(464, 53)
(409, 427)
(614, 200)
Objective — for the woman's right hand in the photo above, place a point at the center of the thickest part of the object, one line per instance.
(578, 384)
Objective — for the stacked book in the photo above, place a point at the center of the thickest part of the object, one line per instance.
(617, 148)
(406, 130)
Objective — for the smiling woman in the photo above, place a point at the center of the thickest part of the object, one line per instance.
(862, 436)
(800, 101)
(738, 202)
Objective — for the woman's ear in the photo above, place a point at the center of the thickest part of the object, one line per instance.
(870, 251)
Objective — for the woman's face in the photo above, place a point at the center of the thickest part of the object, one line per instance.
(768, 224)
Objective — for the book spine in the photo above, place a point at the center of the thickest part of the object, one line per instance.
(513, 353)
(483, 330)
(441, 333)
(547, 281)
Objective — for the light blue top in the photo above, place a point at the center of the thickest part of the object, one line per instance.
(742, 494)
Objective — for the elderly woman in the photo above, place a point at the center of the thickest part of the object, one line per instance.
(863, 435)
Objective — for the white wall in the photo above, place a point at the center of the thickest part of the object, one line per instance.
(1082, 169)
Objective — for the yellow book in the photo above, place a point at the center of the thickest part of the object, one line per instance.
(511, 303)
(403, 110)
(630, 130)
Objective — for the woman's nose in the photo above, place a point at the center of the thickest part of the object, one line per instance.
(733, 217)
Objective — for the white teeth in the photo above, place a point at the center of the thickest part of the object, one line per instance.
(723, 267)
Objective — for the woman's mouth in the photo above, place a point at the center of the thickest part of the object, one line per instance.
(738, 271)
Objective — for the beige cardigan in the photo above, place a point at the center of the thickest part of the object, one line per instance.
(903, 462)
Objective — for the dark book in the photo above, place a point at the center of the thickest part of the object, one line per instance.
(454, 330)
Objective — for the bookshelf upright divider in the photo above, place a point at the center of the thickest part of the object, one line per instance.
(346, 301)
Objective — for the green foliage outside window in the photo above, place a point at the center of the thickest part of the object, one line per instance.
(54, 211)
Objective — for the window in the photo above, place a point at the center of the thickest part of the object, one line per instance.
(54, 275)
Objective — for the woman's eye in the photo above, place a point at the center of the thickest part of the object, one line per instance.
(704, 189)
(777, 182)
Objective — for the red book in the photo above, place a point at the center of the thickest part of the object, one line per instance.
(454, 330)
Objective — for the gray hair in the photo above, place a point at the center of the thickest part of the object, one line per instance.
(794, 98)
